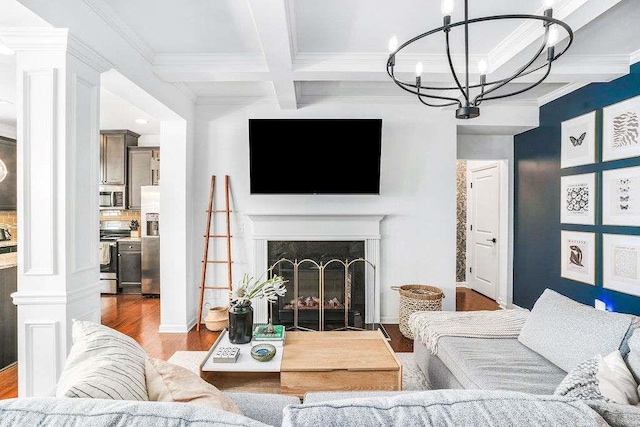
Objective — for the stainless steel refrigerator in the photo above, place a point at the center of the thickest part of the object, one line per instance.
(150, 234)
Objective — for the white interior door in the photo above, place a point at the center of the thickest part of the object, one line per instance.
(484, 228)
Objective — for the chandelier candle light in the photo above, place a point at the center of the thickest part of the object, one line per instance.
(468, 105)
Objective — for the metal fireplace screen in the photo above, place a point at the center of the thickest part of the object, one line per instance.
(323, 292)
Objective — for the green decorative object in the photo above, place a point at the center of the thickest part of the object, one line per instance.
(263, 352)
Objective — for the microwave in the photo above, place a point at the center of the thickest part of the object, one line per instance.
(112, 196)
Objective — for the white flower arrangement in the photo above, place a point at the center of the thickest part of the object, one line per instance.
(249, 288)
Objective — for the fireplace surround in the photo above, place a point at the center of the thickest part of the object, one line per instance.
(322, 228)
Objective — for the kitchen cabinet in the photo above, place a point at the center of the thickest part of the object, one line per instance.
(144, 169)
(8, 317)
(113, 155)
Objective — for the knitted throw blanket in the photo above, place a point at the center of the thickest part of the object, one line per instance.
(429, 326)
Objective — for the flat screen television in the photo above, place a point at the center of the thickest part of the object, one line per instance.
(315, 156)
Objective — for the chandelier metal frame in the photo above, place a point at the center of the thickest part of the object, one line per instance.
(468, 107)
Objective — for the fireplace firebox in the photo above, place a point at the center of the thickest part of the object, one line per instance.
(326, 284)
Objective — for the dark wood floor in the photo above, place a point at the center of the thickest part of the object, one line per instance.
(140, 318)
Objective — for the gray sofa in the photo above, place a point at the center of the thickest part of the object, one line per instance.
(558, 334)
(508, 391)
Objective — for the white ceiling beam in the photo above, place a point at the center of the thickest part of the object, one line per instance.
(273, 24)
(364, 67)
(205, 67)
(576, 13)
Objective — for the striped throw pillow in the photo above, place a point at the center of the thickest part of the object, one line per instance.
(103, 364)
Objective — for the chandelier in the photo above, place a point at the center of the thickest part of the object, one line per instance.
(467, 95)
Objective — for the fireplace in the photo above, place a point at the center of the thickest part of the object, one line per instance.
(326, 284)
(359, 234)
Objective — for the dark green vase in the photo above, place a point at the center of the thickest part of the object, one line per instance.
(240, 324)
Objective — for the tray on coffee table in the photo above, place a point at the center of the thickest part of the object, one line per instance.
(244, 363)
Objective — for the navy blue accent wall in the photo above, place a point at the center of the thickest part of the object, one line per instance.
(537, 225)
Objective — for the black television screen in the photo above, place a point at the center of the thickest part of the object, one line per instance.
(315, 156)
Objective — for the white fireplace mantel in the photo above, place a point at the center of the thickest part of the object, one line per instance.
(319, 227)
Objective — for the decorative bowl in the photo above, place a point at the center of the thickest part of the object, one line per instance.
(263, 352)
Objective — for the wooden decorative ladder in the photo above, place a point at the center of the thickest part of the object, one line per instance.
(207, 238)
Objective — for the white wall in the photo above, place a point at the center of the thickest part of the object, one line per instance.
(418, 188)
(494, 147)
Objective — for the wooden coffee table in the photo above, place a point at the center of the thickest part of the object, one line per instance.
(338, 361)
(315, 361)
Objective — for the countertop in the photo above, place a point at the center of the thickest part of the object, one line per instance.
(5, 243)
(8, 260)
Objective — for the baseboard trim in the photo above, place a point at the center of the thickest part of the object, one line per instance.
(463, 285)
(173, 329)
(390, 320)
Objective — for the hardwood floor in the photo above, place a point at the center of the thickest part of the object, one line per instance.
(140, 318)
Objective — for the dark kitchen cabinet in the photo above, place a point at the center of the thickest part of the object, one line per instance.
(144, 169)
(113, 155)
(130, 266)
(8, 317)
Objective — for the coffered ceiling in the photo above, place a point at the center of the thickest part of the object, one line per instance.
(298, 52)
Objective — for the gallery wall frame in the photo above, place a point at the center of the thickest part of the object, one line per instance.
(621, 196)
(578, 139)
(578, 199)
(577, 256)
(8, 175)
(621, 263)
(620, 130)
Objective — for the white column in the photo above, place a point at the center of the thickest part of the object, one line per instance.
(58, 213)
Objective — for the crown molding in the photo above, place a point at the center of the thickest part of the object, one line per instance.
(109, 16)
(367, 62)
(84, 53)
(527, 33)
(634, 57)
(228, 61)
(235, 100)
(560, 92)
(290, 10)
(35, 38)
(39, 39)
(186, 91)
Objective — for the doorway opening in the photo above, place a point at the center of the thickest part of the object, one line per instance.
(482, 227)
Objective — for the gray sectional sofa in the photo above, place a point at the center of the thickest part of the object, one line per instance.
(558, 334)
(508, 383)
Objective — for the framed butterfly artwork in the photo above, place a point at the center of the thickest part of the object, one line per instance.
(621, 196)
(578, 256)
(577, 199)
(621, 130)
(578, 141)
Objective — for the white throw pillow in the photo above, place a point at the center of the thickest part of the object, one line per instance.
(103, 364)
(616, 381)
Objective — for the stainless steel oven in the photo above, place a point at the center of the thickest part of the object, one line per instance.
(110, 232)
(112, 196)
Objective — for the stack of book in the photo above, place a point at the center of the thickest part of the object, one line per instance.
(261, 334)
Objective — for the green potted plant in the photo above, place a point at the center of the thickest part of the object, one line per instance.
(240, 310)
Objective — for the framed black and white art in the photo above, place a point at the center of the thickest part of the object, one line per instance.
(577, 199)
(577, 256)
(621, 196)
(578, 139)
(621, 263)
(620, 130)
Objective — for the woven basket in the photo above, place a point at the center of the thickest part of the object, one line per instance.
(217, 319)
(417, 298)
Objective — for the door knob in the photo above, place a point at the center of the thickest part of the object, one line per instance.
(494, 240)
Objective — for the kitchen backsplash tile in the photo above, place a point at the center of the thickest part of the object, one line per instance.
(120, 215)
(10, 219)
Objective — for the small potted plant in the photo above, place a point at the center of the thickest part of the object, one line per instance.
(240, 310)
